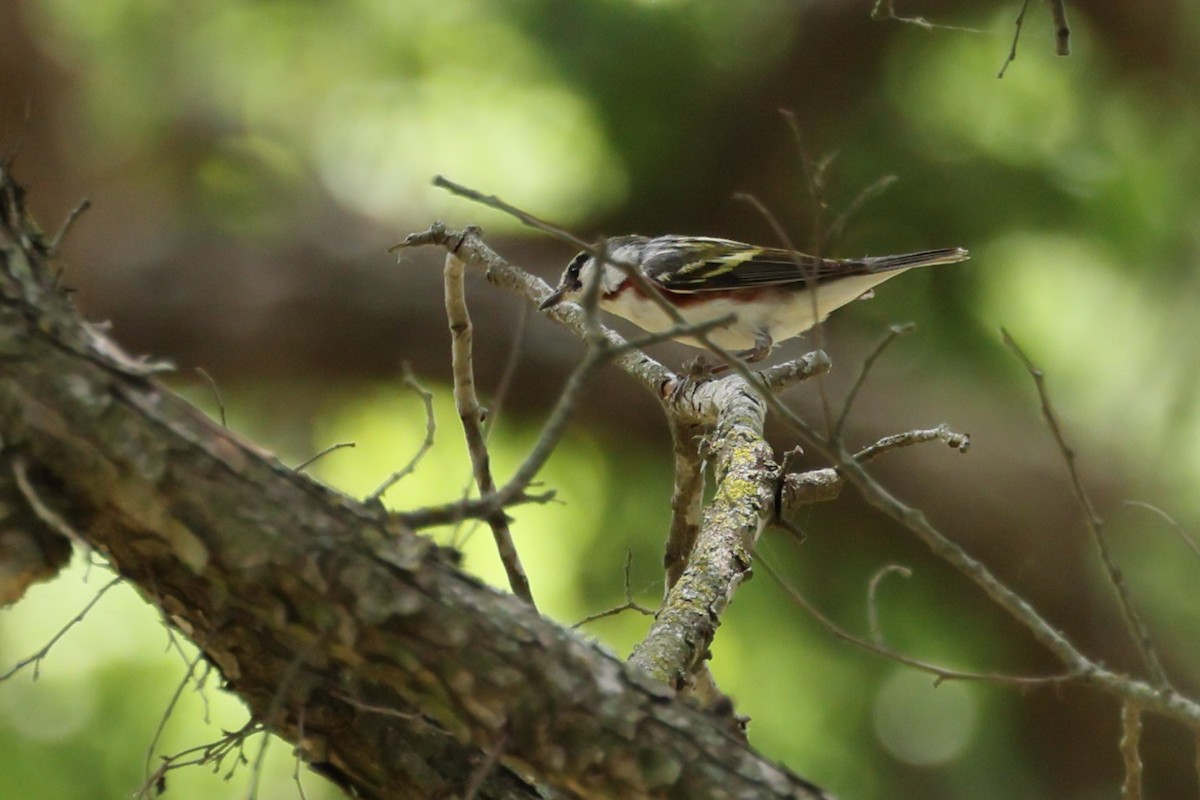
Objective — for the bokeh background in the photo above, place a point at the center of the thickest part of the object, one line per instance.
(250, 161)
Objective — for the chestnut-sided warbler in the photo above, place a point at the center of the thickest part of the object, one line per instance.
(769, 290)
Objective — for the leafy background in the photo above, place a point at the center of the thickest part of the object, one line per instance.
(249, 162)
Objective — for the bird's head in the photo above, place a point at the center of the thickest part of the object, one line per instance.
(579, 272)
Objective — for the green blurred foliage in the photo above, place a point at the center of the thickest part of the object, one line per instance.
(1072, 180)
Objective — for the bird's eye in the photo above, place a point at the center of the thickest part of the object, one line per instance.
(576, 264)
(574, 268)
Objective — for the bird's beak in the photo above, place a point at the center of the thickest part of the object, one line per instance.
(552, 299)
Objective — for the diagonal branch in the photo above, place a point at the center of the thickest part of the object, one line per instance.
(876, 646)
(1133, 621)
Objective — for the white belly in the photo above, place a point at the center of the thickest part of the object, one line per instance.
(781, 313)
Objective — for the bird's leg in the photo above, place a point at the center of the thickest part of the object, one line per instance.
(701, 369)
(762, 346)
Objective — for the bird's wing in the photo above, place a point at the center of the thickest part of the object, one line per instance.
(732, 265)
(737, 266)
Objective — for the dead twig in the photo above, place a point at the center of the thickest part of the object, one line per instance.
(1133, 621)
(872, 606)
(470, 413)
(789, 373)
(49, 517)
(894, 332)
(1184, 536)
(212, 385)
(36, 658)
(298, 753)
(308, 462)
(815, 182)
(214, 753)
(410, 381)
(166, 715)
(940, 673)
(68, 223)
(868, 194)
(942, 433)
(629, 605)
(1061, 31)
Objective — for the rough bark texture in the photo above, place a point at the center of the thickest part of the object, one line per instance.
(403, 672)
(720, 559)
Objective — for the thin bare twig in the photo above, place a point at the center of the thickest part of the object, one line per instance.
(1131, 736)
(789, 373)
(297, 751)
(510, 370)
(308, 462)
(492, 201)
(942, 433)
(166, 715)
(806, 488)
(868, 194)
(940, 673)
(810, 279)
(49, 517)
(410, 381)
(36, 658)
(593, 332)
(873, 607)
(214, 753)
(894, 332)
(478, 508)
(676, 332)
(629, 605)
(514, 490)
(212, 385)
(370, 708)
(491, 415)
(823, 485)
(68, 223)
(815, 171)
(1175, 526)
(1012, 53)
(1133, 621)
(470, 413)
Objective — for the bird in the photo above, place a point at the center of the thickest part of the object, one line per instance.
(769, 290)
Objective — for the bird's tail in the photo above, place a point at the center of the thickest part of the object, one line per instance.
(924, 258)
